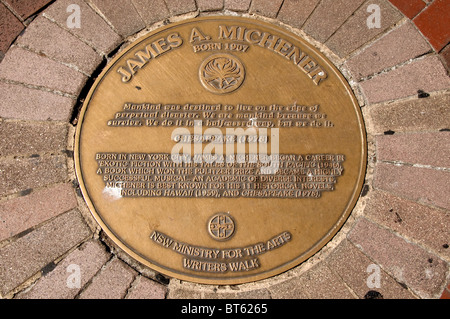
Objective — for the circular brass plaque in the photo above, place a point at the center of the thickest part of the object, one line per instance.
(220, 150)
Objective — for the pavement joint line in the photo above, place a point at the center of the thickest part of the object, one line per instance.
(368, 256)
(401, 163)
(19, 194)
(401, 196)
(374, 39)
(38, 87)
(349, 17)
(89, 282)
(397, 66)
(69, 65)
(409, 239)
(11, 9)
(90, 44)
(367, 45)
(410, 98)
(99, 13)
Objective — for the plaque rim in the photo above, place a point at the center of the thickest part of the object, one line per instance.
(240, 279)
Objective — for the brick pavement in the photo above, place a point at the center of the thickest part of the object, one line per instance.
(399, 228)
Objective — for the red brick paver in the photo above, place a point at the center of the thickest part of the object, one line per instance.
(19, 214)
(26, 139)
(329, 16)
(359, 279)
(446, 293)
(267, 8)
(237, 5)
(319, 282)
(35, 104)
(409, 264)
(145, 288)
(396, 47)
(177, 7)
(179, 291)
(123, 16)
(48, 39)
(27, 67)
(410, 115)
(355, 32)
(428, 73)
(151, 10)
(433, 22)
(410, 8)
(62, 282)
(295, 12)
(422, 224)
(425, 185)
(22, 174)
(25, 8)
(209, 5)
(93, 29)
(29, 254)
(112, 282)
(10, 28)
(445, 55)
(417, 148)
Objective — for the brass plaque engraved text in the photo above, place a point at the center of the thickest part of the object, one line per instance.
(220, 150)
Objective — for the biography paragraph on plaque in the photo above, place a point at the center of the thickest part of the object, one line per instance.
(157, 175)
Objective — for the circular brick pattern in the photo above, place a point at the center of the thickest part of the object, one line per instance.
(396, 241)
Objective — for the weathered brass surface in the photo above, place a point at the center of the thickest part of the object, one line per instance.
(275, 137)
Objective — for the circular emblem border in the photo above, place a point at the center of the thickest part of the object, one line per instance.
(207, 85)
(230, 220)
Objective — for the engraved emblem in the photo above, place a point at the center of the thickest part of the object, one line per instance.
(221, 226)
(222, 73)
